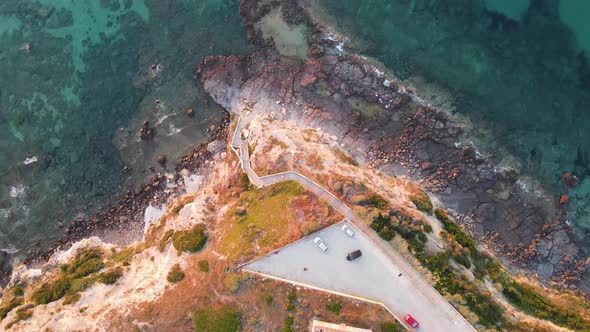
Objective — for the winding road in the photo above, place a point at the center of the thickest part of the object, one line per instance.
(444, 316)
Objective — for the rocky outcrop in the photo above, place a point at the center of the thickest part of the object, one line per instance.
(384, 124)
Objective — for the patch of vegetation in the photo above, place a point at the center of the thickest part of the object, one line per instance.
(203, 266)
(427, 228)
(392, 327)
(124, 255)
(232, 282)
(488, 312)
(291, 299)
(71, 298)
(21, 314)
(334, 307)
(110, 277)
(164, 240)
(261, 217)
(387, 234)
(458, 234)
(344, 157)
(191, 240)
(422, 202)
(175, 274)
(7, 307)
(244, 181)
(310, 226)
(463, 260)
(288, 324)
(268, 299)
(176, 210)
(378, 201)
(74, 277)
(275, 141)
(80, 285)
(383, 226)
(17, 290)
(528, 300)
(86, 262)
(224, 319)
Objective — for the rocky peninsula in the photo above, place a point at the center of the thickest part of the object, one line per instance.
(495, 245)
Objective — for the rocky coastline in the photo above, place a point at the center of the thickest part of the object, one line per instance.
(385, 124)
(123, 221)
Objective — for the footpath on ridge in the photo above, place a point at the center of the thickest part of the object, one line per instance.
(438, 303)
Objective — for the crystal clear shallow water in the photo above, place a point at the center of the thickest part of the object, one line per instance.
(75, 85)
(518, 68)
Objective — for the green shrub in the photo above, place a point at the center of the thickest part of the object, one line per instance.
(80, 285)
(124, 255)
(18, 290)
(244, 181)
(21, 314)
(191, 240)
(224, 319)
(87, 268)
(164, 239)
(378, 201)
(463, 260)
(288, 324)
(334, 306)
(291, 299)
(7, 307)
(458, 234)
(71, 298)
(175, 274)
(75, 277)
(392, 327)
(427, 228)
(416, 239)
(531, 302)
(203, 266)
(110, 277)
(488, 312)
(422, 202)
(268, 299)
(84, 261)
(48, 293)
(379, 222)
(176, 210)
(386, 234)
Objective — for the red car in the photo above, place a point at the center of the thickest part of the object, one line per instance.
(410, 320)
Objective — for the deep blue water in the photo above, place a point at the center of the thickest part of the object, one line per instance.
(77, 81)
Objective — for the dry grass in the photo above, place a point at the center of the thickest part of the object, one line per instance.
(344, 157)
(315, 162)
(265, 219)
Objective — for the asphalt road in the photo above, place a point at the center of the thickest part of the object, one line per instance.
(412, 294)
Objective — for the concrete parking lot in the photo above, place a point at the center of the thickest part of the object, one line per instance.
(372, 277)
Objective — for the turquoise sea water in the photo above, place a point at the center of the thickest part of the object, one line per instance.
(518, 68)
(77, 79)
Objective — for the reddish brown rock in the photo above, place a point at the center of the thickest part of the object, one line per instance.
(146, 133)
(161, 159)
(570, 180)
(563, 200)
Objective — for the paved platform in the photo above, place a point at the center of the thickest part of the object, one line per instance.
(372, 277)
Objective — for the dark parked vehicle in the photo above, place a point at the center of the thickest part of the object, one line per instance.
(354, 255)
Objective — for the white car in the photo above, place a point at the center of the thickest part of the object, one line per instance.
(318, 242)
(347, 230)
